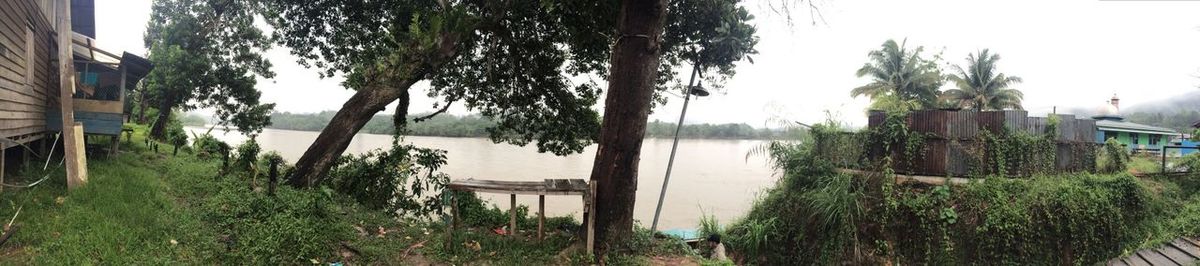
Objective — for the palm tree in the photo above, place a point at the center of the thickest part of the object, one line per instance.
(901, 79)
(981, 87)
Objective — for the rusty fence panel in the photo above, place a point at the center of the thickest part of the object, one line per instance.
(950, 147)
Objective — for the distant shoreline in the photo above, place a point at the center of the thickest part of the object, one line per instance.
(205, 126)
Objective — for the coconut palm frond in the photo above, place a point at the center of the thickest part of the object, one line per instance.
(981, 87)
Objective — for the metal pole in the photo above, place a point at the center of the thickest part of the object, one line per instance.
(687, 95)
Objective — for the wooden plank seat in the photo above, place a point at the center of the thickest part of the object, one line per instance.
(547, 187)
(554, 187)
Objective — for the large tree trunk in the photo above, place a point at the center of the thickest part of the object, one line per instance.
(164, 117)
(633, 70)
(141, 116)
(358, 110)
(336, 136)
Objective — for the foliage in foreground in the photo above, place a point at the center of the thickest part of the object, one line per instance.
(145, 207)
(815, 215)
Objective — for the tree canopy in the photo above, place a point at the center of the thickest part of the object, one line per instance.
(207, 54)
(511, 61)
(901, 79)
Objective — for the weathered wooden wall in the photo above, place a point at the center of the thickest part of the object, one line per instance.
(25, 89)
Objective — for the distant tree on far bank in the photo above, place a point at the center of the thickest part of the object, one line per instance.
(900, 78)
(476, 126)
(981, 87)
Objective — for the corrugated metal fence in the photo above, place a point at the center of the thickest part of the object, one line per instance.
(954, 140)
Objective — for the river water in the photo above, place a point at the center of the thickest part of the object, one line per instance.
(710, 177)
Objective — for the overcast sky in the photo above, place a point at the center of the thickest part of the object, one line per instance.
(1070, 54)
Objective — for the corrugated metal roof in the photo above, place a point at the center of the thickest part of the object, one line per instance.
(1131, 127)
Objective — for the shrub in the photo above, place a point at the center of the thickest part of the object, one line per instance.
(289, 229)
(402, 179)
(1114, 157)
(207, 146)
(815, 215)
(247, 155)
(475, 212)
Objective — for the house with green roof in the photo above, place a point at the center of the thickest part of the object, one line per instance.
(1136, 137)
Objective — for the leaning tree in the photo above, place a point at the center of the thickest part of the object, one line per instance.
(207, 54)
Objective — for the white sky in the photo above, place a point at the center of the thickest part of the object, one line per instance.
(1073, 53)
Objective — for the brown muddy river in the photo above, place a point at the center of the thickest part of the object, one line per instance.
(709, 177)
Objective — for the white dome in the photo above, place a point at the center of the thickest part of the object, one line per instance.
(1107, 110)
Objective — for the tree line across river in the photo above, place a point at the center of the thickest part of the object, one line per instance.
(446, 125)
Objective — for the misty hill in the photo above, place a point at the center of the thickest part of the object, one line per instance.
(1178, 113)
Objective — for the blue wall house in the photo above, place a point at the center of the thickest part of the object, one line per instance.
(1186, 140)
(1136, 137)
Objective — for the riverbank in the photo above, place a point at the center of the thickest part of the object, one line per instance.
(709, 177)
(147, 207)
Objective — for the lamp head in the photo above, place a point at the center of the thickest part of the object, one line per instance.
(698, 91)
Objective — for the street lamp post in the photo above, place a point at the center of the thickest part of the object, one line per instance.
(689, 91)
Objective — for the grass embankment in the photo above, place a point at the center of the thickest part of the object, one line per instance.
(147, 207)
(816, 215)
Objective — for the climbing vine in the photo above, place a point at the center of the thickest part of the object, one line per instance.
(1012, 154)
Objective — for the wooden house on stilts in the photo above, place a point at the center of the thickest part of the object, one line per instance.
(40, 94)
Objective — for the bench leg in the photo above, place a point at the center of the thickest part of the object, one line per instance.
(591, 207)
(512, 215)
(541, 216)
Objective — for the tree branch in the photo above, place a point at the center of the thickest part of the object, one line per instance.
(439, 111)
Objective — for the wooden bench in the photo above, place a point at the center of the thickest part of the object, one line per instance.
(560, 187)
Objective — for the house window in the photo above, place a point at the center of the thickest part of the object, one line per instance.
(1109, 135)
(1133, 138)
(1154, 139)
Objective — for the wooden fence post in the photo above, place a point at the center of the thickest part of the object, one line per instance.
(1164, 160)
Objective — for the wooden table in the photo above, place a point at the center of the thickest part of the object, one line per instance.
(561, 187)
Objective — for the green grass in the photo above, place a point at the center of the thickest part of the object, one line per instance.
(146, 207)
(1145, 164)
(143, 207)
(121, 216)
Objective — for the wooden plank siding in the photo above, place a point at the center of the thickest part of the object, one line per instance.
(93, 122)
(25, 89)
